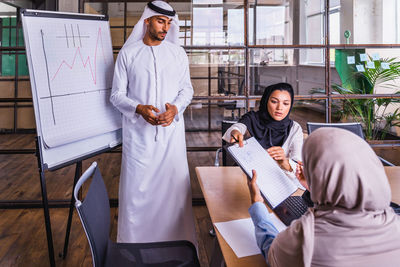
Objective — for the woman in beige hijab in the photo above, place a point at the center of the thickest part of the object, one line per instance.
(351, 223)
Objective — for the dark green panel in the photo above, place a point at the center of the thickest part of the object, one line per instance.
(22, 65)
(6, 37)
(8, 65)
(8, 60)
(20, 37)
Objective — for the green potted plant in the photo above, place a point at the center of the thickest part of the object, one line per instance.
(371, 113)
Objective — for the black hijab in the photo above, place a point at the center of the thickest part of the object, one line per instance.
(262, 126)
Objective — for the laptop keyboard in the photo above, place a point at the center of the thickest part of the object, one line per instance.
(291, 209)
(295, 206)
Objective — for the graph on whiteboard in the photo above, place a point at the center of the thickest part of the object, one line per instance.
(73, 68)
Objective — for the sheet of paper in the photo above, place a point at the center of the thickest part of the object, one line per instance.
(360, 68)
(272, 181)
(375, 56)
(351, 60)
(73, 78)
(385, 65)
(240, 235)
(363, 57)
(370, 65)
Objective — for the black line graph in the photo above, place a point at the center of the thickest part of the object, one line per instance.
(48, 78)
(72, 35)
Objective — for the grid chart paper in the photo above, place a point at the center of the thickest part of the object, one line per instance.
(272, 181)
(73, 64)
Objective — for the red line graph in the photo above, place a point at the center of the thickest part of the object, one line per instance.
(85, 63)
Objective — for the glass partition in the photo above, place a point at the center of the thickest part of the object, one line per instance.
(217, 72)
(270, 22)
(269, 66)
(204, 115)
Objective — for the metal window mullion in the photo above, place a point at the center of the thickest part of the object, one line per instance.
(328, 103)
(209, 92)
(16, 76)
(125, 18)
(1, 44)
(81, 6)
(246, 59)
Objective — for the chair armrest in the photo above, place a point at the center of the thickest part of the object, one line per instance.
(385, 162)
(88, 173)
(216, 162)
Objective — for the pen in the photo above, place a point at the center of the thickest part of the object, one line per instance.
(235, 138)
(295, 161)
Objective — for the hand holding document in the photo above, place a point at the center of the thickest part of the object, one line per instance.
(272, 181)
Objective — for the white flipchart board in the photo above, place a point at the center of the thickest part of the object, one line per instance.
(71, 65)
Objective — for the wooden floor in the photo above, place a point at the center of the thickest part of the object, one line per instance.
(22, 232)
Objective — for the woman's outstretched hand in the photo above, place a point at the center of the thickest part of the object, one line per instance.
(237, 137)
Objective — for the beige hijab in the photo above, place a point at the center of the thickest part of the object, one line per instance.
(351, 223)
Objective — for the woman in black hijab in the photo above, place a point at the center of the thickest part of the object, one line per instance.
(272, 127)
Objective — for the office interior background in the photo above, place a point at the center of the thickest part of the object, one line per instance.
(326, 49)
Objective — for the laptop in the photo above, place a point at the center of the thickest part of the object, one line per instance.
(293, 207)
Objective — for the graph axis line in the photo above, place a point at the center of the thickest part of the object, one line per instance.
(78, 93)
(48, 77)
(66, 35)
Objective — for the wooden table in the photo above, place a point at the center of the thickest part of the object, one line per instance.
(227, 197)
(393, 174)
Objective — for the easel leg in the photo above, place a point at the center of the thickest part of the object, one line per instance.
(47, 219)
(78, 173)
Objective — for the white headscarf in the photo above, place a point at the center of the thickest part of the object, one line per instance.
(140, 28)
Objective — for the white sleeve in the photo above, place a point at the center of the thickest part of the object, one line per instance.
(296, 145)
(294, 152)
(119, 94)
(185, 93)
(237, 126)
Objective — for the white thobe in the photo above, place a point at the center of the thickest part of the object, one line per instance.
(155, 202)
(292, 146)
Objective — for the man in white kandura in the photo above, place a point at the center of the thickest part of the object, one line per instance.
(152, 88)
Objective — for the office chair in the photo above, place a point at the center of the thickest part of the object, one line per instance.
(354, 127)
(226, 158)
(94, 213)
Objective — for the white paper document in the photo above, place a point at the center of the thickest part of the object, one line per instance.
(360, 68)
(272, 181)
(370, 65)
(385, 65)
(375, 56)
(363, 57)
(351, 60)
(72, 78)
(240, 235)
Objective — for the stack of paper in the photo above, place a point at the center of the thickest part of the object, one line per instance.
(272, 181)
(240, 235)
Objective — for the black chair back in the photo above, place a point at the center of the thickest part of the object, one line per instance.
(354, 127)
(94, 213)
(227, 160)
